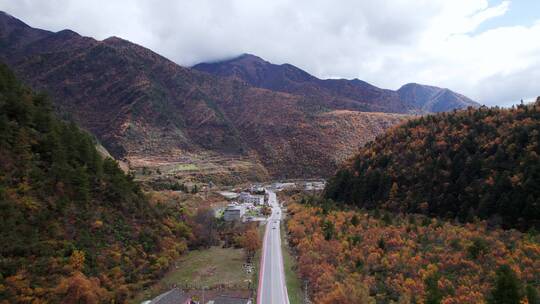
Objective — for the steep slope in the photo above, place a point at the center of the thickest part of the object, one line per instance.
(337, 93)
(331, 93)
(142, 106)
(75, 228)
(433, 99)
(16, 34)
(474, 163)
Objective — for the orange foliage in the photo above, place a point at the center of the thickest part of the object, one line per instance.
(392, 261)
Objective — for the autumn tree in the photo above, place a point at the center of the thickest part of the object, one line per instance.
(251, 242)
(351, 291)
(76, 261)
(78, 289)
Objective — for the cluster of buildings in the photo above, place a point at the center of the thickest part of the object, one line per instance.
(246, 201)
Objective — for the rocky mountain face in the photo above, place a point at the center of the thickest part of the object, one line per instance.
(339, 93)
(142, 107)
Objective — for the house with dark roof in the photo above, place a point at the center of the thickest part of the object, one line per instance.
(173, 296)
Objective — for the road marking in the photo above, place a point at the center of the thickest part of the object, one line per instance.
(269, 243)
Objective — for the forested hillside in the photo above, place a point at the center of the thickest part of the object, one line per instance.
(481, 163)
(148, 111)
(75, 228)
(355, 256)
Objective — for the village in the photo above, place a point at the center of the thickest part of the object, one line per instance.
(243, 205)
(251, 204)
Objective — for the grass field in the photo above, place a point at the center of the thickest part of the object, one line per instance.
(207, 268)
(210, 267)
(294, 285)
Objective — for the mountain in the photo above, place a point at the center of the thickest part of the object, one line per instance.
(75, 228)
(433, 99)
(476, 163)
(339, 93)
(151, 112)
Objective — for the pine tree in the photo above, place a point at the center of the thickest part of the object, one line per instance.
(507, 287)
(433, 294)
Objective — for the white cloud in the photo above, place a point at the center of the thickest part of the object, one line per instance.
(385, 42)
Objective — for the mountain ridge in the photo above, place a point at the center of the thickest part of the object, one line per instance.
(142, 106)
(353, 94)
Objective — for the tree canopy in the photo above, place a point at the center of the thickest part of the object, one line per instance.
(476, 163)
(75, 227)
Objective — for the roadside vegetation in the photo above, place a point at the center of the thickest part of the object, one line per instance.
(294, 284)
(221, 256)
(358, 256)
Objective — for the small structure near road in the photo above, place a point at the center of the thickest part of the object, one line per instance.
(247, 198)
(315, 186)
(233, 213)
(282, 186)
(173, 296)
(256, 188)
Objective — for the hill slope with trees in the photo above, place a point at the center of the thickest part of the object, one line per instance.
(358, 256)
(75, 228)
(476, 163)
(142, 106)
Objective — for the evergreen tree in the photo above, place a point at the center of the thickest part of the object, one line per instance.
(433, 294)
(507, 287)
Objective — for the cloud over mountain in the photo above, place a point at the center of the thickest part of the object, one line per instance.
(387, 42)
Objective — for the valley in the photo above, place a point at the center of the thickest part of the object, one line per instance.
(147, 107)
(126, 177)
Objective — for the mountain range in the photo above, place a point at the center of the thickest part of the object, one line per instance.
(352, 94)
(243, 118)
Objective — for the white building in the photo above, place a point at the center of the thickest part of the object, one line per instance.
(315, 186)
(248, 198)
(256, 188)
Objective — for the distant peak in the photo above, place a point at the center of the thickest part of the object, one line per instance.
(243, 58)
(68, 33)
(12, 20)
(248, 57)
(118, 42)
(418, 85)
(114, 39)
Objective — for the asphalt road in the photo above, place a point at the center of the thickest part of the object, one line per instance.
(272, 286)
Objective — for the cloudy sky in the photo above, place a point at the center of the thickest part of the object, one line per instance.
(488, 50)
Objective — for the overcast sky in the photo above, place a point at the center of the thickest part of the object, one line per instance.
(487, 50)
